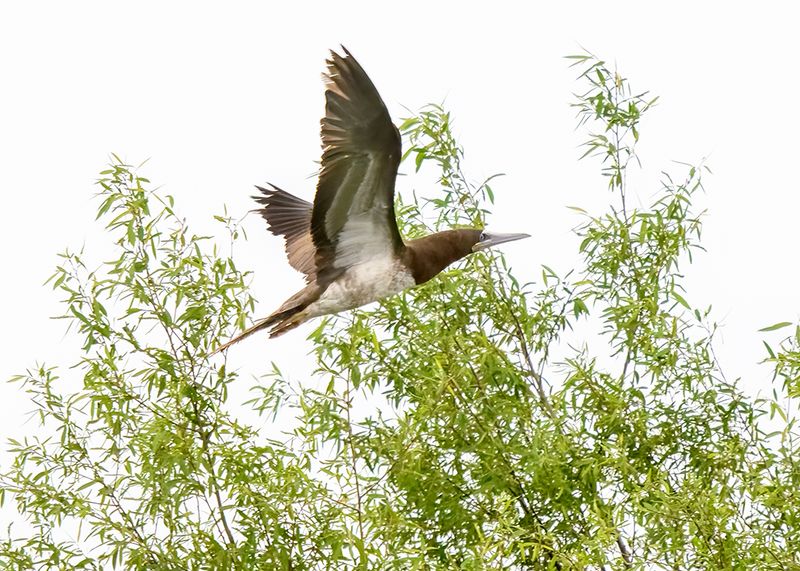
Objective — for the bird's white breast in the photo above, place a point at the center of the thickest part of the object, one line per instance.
(363, 283)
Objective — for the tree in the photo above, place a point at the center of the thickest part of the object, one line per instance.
(490, 441)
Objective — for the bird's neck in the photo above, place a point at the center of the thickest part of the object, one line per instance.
(429, 255)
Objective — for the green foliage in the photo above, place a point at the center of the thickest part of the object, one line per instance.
(463, 424)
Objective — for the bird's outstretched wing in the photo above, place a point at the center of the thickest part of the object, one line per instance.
(290, 217)
(353, 218)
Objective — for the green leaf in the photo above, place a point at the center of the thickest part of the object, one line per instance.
(775, 326)
(679, 298)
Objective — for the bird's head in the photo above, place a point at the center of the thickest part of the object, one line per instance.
(429, 255)
(485, 240)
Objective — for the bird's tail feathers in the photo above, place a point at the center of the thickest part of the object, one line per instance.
(282, 322)
(288, 316)
(257, 326)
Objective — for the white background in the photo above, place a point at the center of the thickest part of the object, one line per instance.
(223, 96)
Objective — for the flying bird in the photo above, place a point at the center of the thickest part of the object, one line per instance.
(347, 243)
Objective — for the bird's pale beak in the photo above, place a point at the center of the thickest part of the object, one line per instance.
(489, 240)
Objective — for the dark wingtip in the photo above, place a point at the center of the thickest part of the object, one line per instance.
(265, 196)
(278, 199)
(269, 191)
(342, 48)
(337, 62)
(334, 56)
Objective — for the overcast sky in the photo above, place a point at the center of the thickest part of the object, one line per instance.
(223, 96)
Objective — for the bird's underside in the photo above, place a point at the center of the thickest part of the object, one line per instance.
(371, 279)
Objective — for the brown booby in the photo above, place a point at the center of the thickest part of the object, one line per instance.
(347, 243)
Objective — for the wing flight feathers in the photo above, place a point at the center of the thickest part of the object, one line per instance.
(354, 204)
(290, 217)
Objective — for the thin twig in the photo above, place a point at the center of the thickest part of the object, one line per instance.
(348, 402)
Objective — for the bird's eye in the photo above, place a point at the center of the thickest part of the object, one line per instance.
(482, 237)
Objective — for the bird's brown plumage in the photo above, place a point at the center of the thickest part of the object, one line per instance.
(347, 243)
(352, 219)
(429, 255)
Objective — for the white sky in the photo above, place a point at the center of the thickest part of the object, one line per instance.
(220, 99)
